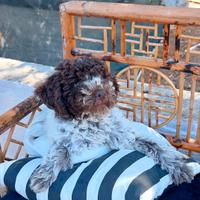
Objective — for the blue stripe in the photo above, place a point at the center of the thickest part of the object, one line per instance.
(12, 172)
(29, 193)
(80, 189)
(57, 185)
(144, 181)
(106, 187)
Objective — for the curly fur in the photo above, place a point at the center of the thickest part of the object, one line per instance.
(83, 99)
(63, 90)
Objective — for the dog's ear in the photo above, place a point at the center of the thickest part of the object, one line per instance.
(46, 91)
(65, 65)
(52, 95)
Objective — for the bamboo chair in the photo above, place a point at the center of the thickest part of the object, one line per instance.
(139, 36)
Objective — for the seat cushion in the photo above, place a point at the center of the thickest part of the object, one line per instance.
(118, 175)
(12, 196)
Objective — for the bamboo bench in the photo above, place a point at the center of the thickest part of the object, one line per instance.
(138, 36)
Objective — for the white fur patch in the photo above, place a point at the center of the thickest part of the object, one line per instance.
(94, 82)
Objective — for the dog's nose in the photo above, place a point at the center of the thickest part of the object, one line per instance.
(100, 94)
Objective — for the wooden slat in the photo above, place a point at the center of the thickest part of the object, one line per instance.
(138, 60)
(79, 26)
(163, 116)
(105, 41)
(89, 39)
(157, 94)
(190, 37)
(16, 142)
(17, 152)
(134, 12)
(135, 36)
(113, 36)
(144, 27)
(177, 43)
(128, 78)
(142, 96)
(15, 114)
(156, 30)
(141, 39)
(158, 80)
(135, 72)
(132, 41)
(150, 102)
(95, 27)
(132, 28)
(1, 155)
(198, 130)
(180, 103)
(195, 52)
(123, 37)
(157, 117)
(156, 52)
(166, 42)
(132, 35)
(107, 67)
(187, 57)
(8, 139)
(22, 124)
(147, 40)
(68, 33)
(178, 143)
(193, 88)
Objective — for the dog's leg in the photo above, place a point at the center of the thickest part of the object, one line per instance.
(168, 158)
(57, 159)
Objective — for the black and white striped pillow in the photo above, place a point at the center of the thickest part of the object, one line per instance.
(118, 175)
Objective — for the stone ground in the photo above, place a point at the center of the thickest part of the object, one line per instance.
(23, 72)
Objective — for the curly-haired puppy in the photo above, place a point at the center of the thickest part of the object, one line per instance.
(83, 98)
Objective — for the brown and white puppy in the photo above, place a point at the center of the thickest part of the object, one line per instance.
(83, 116)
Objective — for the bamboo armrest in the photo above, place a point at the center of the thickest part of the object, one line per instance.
(18, 112)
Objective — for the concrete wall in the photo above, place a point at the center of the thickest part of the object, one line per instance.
(30, 29)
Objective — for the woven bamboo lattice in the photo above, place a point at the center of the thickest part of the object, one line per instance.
(139, 36)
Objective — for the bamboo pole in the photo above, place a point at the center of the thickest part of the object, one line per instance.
(1, 155)
(128, 75)
(193, 87)
(132, 33)
(68, 33)
(147, 40)
(187, 58)
(198, 130)
(134, 12)
(142, 95)
(113, 36)
(180, 103)
(79, 26)
(150, 102)
(7, 143)
(105, 39)
(107, 68)
(141, 40)
(166, 42)
(16, 113)
(177, 43)
(138, 60)
(135, 72)
(123, 37)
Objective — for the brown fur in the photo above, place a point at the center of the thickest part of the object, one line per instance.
(62, 90)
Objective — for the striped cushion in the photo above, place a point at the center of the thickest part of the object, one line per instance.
(118, 175)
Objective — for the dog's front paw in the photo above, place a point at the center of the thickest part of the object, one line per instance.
(182, 173)
(42, 178)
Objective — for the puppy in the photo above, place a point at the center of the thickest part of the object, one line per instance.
(83, 116)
